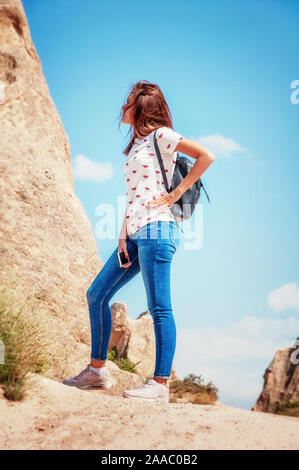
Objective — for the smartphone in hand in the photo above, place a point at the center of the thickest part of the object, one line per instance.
(122, 258)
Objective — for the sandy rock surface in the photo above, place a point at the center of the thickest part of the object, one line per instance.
(55, 416)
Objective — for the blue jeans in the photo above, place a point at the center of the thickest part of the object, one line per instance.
(150, 250)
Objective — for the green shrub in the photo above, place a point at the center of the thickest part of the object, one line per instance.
(123, 363)
(194, 385)
(289, 408)
(25, 345)
(111, 355)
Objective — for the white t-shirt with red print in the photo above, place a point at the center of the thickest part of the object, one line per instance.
(144, 179)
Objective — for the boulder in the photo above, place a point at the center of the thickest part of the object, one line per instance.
(281, 381)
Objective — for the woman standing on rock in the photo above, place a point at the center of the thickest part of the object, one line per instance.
(149, 238)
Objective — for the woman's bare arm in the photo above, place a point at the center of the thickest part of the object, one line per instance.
(123, 231)
(122, 241)
(204, 158)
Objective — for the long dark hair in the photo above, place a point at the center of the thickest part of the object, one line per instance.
(149, 110)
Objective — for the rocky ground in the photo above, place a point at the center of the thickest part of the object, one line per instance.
(54, 416)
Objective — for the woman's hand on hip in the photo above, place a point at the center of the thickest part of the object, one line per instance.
(169, 199)
(122, 245)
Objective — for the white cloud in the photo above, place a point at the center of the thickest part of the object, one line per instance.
(220, 145)
(88, 170)
(286, 296)
(234, 357)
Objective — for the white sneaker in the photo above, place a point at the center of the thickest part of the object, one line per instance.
(151, 391)
(87, 379)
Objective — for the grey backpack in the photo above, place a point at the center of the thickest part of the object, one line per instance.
(183, 208)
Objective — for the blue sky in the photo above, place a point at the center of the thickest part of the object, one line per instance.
(226, 69)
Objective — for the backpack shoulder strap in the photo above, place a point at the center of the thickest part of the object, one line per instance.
(160, 162)
(204, 190)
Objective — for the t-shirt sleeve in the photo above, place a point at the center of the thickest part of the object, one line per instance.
(168, 139)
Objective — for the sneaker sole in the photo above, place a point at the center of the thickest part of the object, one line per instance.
(96, 387)
(157, 400)
(92, 387)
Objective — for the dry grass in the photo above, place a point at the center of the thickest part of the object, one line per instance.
(26, 347)
(193, 390)
(289, 408)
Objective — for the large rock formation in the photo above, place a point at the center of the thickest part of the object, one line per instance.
(47, 245)
(281, 381)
